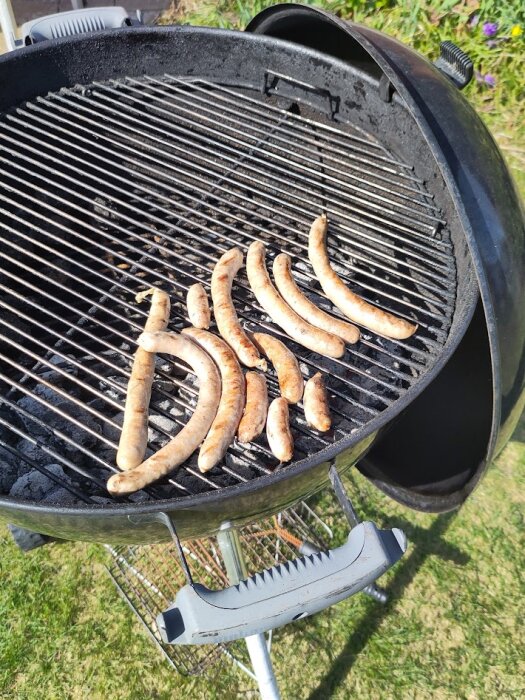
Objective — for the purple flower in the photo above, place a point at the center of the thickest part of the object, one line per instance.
(490, 29)
(486, 79)
(473, 21)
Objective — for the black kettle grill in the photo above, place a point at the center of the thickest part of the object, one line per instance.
(136, 156)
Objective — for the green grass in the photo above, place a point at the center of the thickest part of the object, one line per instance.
(450, 630)
(452, 626)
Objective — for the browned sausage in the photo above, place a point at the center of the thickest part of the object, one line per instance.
(224, 310)
(282, 272)
(350, 304)
(278, 430)
(289, 375)
(190, 437)
(226, 422)
(198, 307)
(315, 402)
(256, 409)
(134, 435)
(272, 302)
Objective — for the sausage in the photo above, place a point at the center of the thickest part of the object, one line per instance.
(229, 413)
(282, 273)
(315, 402)
(278, 430)
(351, 304)
(289, 375)
(256, 409)
(198, 307)
(189, 438)
(134, 435)
(224, 310)
(284, 316)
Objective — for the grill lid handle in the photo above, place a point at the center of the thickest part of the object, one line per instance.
(65, 24)
(284, 593)
(454, 64)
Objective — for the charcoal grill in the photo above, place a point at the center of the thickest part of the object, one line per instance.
(136, 157)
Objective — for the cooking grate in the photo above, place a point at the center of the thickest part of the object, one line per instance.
(149, 577)
(112, 188)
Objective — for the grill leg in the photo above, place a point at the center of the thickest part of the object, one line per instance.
(231, 551)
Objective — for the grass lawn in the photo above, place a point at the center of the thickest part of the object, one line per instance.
(452, 626)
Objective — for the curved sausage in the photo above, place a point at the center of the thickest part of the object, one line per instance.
(226, 422)
(351, 304)
(315, 402)
(289, 375)
(278, 430)
(282, 273)
(134, 435)
(224, 310)
(272, 302)
(190, 437)
(256, 409)
(198, 307)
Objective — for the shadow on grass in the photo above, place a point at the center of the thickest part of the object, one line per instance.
(425, 542)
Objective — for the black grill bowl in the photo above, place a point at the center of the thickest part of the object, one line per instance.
(324, 88)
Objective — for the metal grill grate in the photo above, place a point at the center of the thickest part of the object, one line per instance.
(112, 188)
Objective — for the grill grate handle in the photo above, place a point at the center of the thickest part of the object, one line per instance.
(284, 593)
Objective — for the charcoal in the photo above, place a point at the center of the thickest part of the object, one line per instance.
(190, 397)
(164, 424)
(35, 407)
(59, 273)
(53, 419)
(32, 452)
(102, 500)
(9, 469)
(104, 208)
(34, 485)
(111, 391)
(51, 375)
(139, 497)
(109, 431)
(62, 497)
(162, 385)
(17, 322)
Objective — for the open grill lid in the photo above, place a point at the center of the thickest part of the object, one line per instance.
(493, 221)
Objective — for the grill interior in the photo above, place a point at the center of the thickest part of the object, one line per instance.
(114, 187)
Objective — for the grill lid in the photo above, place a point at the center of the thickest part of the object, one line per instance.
(490, 212)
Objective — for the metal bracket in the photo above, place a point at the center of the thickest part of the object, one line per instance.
(165, 520)
(283, 85)
(386, 89)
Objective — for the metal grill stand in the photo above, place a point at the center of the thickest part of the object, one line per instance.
(278, 595)
(232, 555)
